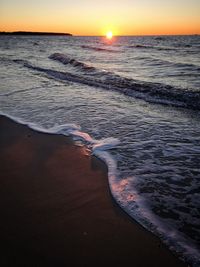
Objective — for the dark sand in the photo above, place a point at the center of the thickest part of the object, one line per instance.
(56, 208)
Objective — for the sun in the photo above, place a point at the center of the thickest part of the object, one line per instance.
(109, 35)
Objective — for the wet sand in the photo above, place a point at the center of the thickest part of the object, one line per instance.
(56, 208)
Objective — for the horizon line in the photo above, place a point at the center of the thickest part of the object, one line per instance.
(99, 35)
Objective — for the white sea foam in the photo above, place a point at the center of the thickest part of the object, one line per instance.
(137, 207)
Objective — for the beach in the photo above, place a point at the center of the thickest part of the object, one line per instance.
(57, 210)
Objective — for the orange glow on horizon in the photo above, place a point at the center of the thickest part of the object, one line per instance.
(80, 30)
(92, 18)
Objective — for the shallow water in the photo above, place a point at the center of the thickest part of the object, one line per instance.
(137, 97)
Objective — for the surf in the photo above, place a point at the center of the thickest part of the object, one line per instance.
(151, 92)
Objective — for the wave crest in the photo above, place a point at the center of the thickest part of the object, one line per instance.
(68, 60)
(150, 92)
(161, 48)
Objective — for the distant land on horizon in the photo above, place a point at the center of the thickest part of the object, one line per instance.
(31, 33)
(34, 33)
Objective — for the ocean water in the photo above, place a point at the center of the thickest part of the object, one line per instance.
(135, 102)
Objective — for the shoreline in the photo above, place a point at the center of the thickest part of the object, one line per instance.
(57, 209)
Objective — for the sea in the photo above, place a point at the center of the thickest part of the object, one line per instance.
(134, 101)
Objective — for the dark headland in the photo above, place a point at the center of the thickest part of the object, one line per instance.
(34, 33)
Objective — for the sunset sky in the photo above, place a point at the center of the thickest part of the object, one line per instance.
(96, 17)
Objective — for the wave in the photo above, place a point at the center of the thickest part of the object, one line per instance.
(150, 92)
(68, 60)
(99, 49)
(161, 48)
(159, 61)
(149, 60)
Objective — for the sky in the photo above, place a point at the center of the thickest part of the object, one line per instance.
(96, 17)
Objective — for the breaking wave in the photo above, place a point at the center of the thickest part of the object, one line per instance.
(68, 60)
(150, 92)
